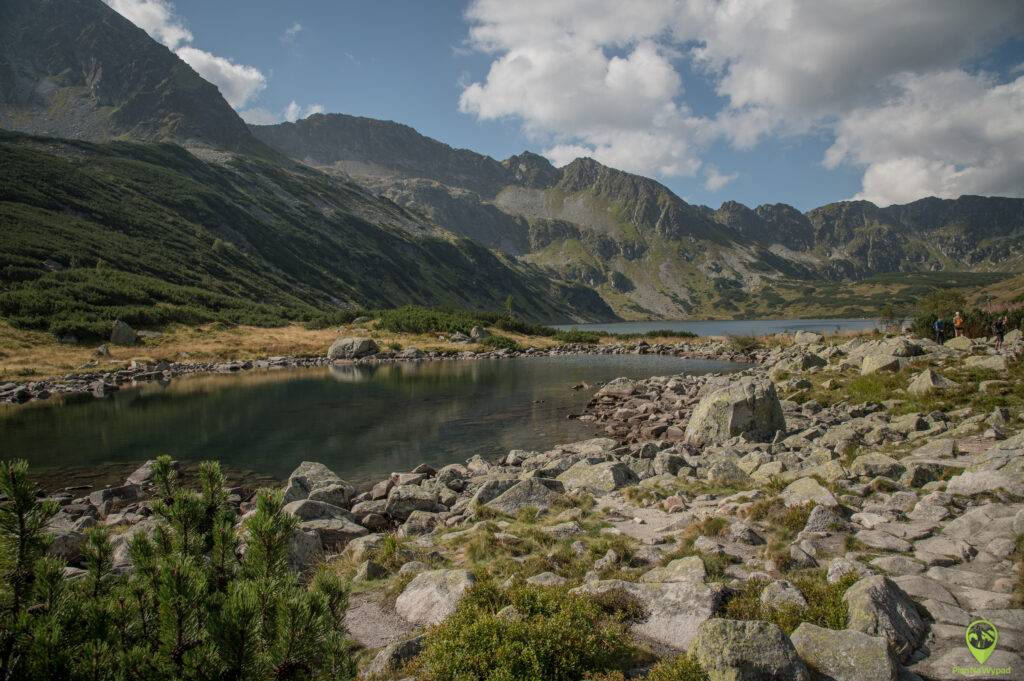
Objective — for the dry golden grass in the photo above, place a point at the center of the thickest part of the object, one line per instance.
(31, 355)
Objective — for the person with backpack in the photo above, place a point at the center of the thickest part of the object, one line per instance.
(958, 324)
(999, 331)
(939, 328)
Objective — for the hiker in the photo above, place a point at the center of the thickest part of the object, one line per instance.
(999, 331)
(939, 328)
(958, 324)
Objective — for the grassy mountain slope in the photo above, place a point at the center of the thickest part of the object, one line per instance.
(152, 234)
(651, 254)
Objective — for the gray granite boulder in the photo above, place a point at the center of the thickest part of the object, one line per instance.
(433, 595)
(746, 650)
(847, 655)
(748, 406)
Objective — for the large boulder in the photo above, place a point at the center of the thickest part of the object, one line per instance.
(990, 362)
(312, 480)
(530, 493)
(848, 655)
(352, 348)
(333, 525)
(122, 334)
(878, 607)
(806, 490)
(874, 363)
(746, 650)
(433, 595)
(806, 338)
(405, 499)
(962, 343)
(928, 381)
(598, 478)
(672, 610)
(748, 406)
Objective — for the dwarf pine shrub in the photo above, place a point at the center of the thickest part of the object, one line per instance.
(189, 608)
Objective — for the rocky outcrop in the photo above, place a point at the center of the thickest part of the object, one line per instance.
(750, 407)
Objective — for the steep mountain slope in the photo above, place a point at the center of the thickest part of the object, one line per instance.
(214, 226)
(648, 252)
(78, 69)
(152, 234)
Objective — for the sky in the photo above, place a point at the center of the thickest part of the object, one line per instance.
(803, 102)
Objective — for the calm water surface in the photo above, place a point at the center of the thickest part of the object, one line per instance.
(735, 327)
(363, 422)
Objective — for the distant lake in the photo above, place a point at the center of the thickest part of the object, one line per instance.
(362, 421)
(733, 327)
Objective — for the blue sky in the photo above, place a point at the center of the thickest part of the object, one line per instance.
(716, 106)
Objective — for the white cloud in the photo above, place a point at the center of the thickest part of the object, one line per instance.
(945, 134)
(291, 113)
(602, 78)
(715, 179)
(238, 83)
(155, 17)
(291, 33)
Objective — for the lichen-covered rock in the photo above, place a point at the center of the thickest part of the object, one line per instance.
(391, 658)
(672, 611)
(530, 493)
(928, 381)
(806, 490)
(688, 569)
(878, 607)
(873, 465)
(746, 650)
(312, 480)
(872, 364)
(405, 499)
(432, 596)
(747, 406)
(352, 348)
(598, 478)
(782, 593)
(847, 655)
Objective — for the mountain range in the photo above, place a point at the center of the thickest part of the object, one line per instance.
(645, 250)
(131, 188)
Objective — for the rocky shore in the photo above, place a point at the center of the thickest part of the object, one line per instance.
(345, 350)
(728, 510)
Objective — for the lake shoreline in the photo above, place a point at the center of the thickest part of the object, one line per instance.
(80, 386)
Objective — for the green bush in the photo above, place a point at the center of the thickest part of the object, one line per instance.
(495, 342)
(577, 336)
(553, 636)
(657, 333)
(825, 605)
(415, 319)
(329, 319)
(189, 609)
(681, 668)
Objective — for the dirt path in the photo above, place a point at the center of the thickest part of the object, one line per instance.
(372, 624)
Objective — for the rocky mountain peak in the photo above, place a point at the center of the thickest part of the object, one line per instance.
(532, 170)
(78, 69)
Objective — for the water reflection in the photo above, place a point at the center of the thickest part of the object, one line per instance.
(363, 421)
